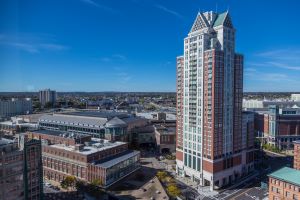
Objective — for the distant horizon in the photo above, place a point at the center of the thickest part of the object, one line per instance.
(141, 92)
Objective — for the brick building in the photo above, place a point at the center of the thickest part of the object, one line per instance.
(20, 169)
(179, 107)
(84, 157)
(165, 138)
(278, 127)
(284, 184)
(209, 104)
(297, 154)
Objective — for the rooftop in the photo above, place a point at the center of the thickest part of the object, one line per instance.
(287, 174)
(98, 114)
(90, 119)
(74, 120)
(94, 146)
(165, 130)
(115, 122)
(111, 161)
(297, 142)
(4, 141)
(61, 133)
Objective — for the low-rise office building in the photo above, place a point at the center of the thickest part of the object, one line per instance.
(284, 184)
(84, 157)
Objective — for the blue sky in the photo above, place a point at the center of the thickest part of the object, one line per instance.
(131, 45)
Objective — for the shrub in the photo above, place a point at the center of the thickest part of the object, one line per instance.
(173, 190)
(161, 175)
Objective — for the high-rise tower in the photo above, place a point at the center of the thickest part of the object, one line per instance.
(209, 103)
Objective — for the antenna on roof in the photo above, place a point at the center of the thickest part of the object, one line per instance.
(216, 7)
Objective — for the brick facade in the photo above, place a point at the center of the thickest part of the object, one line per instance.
(297, 154)
(279, 190)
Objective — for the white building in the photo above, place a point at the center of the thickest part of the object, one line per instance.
(13, 107)
(295, 97)
(253, 103)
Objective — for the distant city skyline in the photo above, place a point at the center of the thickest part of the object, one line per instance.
(131, 46)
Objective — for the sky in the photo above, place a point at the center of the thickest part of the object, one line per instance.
(131, 45)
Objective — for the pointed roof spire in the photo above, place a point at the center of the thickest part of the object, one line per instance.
(223, 19)
(199, 23)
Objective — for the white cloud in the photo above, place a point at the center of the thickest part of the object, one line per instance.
(31, 44)
(167, 10)
(98, 5)
(114, 57)
(284, 66)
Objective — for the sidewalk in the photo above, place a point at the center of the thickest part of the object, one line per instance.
(240, 181)
(187, 181)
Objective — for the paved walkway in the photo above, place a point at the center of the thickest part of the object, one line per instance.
(151, 189)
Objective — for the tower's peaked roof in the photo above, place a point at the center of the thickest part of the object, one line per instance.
(199, 23)
(223, 19)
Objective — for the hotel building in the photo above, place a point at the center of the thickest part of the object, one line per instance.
(209, 146)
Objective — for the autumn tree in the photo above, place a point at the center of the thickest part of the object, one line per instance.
(161, 175)
(69, 181)
(173, 190)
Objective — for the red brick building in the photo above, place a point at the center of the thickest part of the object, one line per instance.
(209, 105)
(278, 127)
(165, 138)
(20, 169)
(179, 107)
(297, 154)
(88, 159)
(284, 184)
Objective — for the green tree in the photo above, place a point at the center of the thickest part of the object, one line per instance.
(173, 190)
(68, 182)
(37, 105)
(97, 182)
(49, 105)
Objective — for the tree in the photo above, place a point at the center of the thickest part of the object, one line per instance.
(93, 188)
(49, 105)
(173, 190)
(97, 182)
(161, 175)
(69, 181)
(37, 105)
